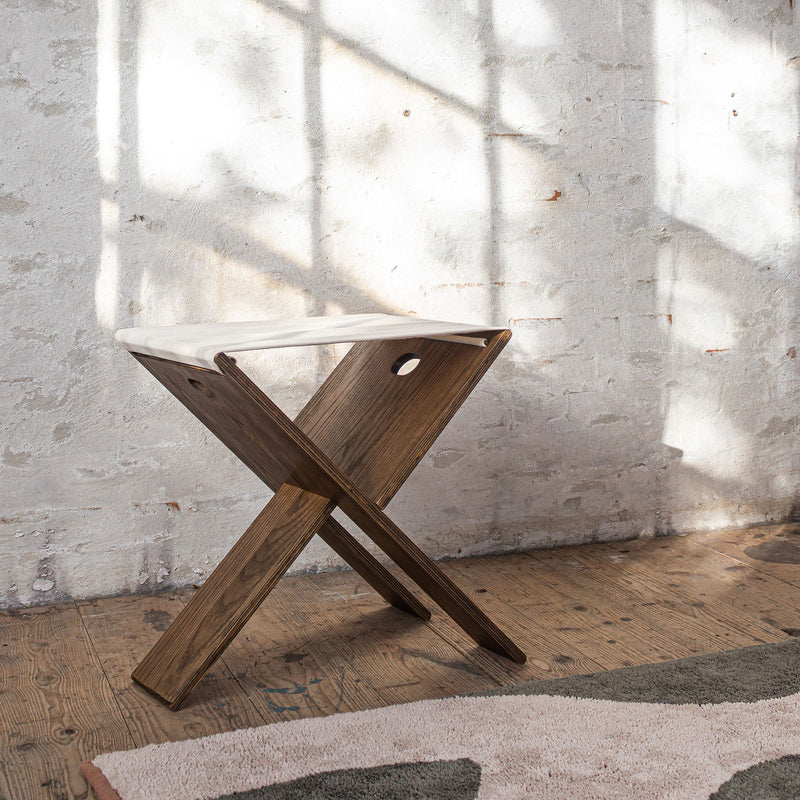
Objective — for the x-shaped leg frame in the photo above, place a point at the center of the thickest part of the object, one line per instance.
(352, 446)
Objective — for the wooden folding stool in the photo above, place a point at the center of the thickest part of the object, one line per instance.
(352, 446)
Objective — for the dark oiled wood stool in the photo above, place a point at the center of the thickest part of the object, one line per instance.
(352, 446)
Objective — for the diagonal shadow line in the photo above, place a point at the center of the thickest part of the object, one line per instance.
(499, 128)
(315, 135)
(315, 141)
(207, 230)
(490, 119)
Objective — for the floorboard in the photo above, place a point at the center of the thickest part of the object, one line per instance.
(658, 600)
(56, 705)
(122, 630)
(323, 644)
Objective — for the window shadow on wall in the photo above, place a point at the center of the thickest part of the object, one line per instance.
(534, 176)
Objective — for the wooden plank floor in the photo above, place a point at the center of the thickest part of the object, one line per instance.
(327, 643)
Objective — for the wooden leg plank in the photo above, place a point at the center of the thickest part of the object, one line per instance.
(233, 591)
(56, 707)
(464, 612)
(371, 570)
(122, 630)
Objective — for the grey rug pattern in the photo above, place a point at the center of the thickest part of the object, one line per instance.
(734, 676)
(443, 780)
(752, 676)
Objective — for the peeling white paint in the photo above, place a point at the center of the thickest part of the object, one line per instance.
(616, 181)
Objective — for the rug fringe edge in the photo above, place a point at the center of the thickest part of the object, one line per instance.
(102, 788)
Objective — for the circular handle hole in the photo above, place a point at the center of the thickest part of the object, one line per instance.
(200, 388)
(405, 364)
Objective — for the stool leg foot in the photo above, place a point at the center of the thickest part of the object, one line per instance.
(233, 591)
(369, 517)
(371, 570)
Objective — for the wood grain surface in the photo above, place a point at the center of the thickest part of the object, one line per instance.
(64, 695)
(122, 630)
(377, 424)
(233, 591)
(56, 706)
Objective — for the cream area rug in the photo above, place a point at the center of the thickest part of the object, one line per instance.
(720, 727)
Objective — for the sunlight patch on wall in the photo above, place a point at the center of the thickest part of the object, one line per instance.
(527, 183)
(699, 319)
(725, 135)
(108, 90)
(432, 43)
(373, 174)
(278, 222)
(410, 194)
(726, 127)
(220, 94)
(405, 180)
(710, 442)
(107, 112)
(521, 26)
(229, 287)
(106, 283)
(521, 111)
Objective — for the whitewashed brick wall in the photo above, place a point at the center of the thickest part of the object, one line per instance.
(614, 180)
